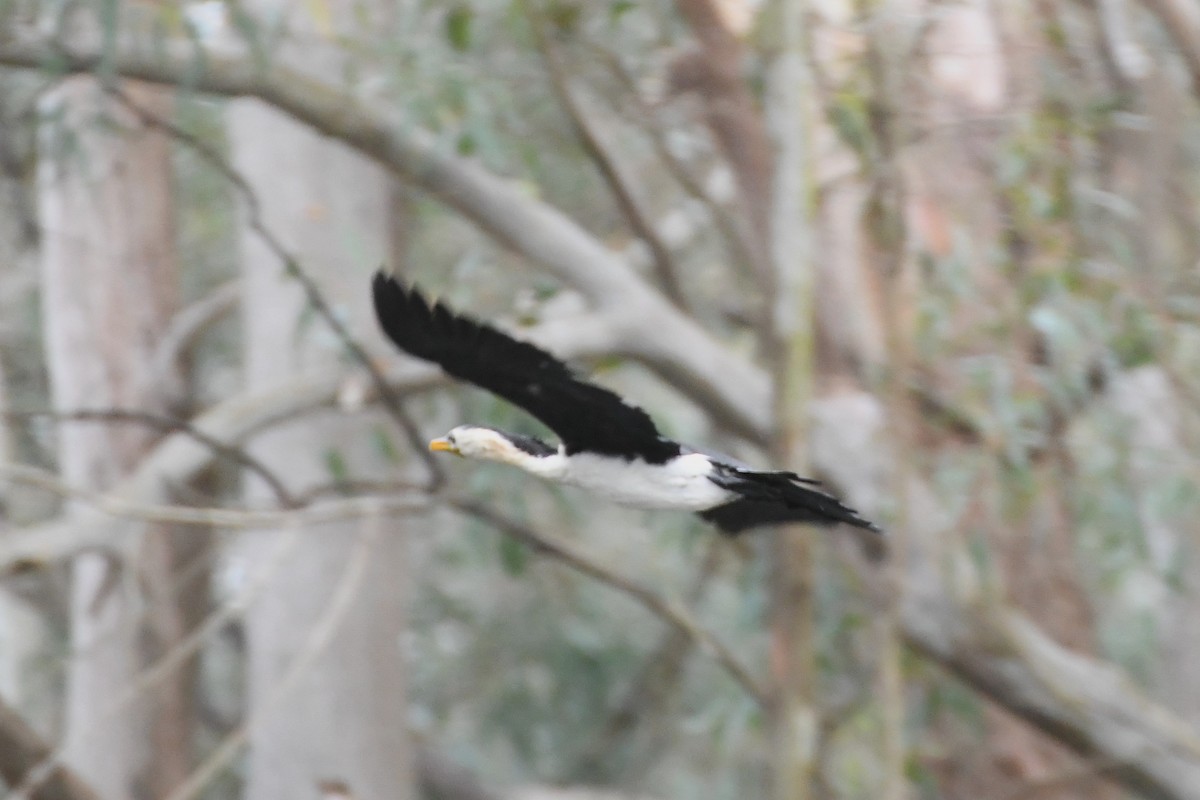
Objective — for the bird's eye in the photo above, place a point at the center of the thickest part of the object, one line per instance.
(450, 437)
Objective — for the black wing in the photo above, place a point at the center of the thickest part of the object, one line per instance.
(585, 416)
(772, 498)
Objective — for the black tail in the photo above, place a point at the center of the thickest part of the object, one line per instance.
(774, 498)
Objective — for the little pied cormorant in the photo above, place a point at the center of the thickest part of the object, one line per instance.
(609, 446)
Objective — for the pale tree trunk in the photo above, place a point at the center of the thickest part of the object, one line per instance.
(794, 663)
(108, 289)
(21, 634)
(344, 723)
(773, 172)
(886, 248)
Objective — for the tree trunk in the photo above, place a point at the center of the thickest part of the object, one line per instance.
(794, 663)
(344, 724)
(108, 289)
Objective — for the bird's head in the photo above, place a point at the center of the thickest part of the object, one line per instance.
(474, 441)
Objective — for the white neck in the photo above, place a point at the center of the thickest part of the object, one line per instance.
(552, 467)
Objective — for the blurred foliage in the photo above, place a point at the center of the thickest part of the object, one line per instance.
(1079, 279)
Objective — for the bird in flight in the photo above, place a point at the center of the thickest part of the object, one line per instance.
(607, 445)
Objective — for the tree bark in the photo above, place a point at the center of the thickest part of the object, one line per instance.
(108, 270)
(1093, 710)
(645, 324)
(793, 609)
(346, 722)
(21, 750)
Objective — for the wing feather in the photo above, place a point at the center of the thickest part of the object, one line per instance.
(586, 417)
(769, 498)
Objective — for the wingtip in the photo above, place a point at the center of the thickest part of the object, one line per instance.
(388, 290)
(859, 521)
(385, 290)
(384, 283)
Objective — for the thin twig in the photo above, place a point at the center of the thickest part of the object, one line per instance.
(665, 608)
(155, 673)
(183, 330)
(653, 684)
(22, 750)
(331, 511)
(391, 401)
(195, 567)
(660, 255)
(357, 486)
(316, 643)
(735, 235)
(166, 423)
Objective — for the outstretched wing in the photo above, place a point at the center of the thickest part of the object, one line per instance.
(585, 416)
(771, 498)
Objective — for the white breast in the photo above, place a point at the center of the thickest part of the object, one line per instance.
(681, 483)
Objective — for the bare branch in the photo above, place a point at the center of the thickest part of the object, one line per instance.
(180, 458)
(652, 688)
(1086, 704)
(246, 518)
(167, 424)
(21, 750)
(660, 256)
(734, 231)
(315, 643)
(315, 298)
(159, 671)
(1095, 711)
(647, 327)
(670, 611)
(1184, 30)
(185, 328)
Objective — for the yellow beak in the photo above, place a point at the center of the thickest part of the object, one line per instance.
(443, 445)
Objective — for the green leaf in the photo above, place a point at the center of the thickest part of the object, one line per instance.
(564, 16)
(335, 462)
(619, 8)
(514, 556)
(458, 27)
(384, 446)
(466, 145)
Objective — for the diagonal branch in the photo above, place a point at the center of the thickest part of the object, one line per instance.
(1184, 29)
(49, 759)
(1084, 703)
(316, 300)
(320, 636)
(665, 608)
(660, 256)
(734, 232)
(1091, 709)
(22, 749)
(165, 424)
(181, 457)
(247, 518)
(647, 326)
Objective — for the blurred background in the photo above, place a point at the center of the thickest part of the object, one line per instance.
(941, 255)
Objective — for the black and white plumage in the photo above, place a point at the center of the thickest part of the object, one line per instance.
(608, 445)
